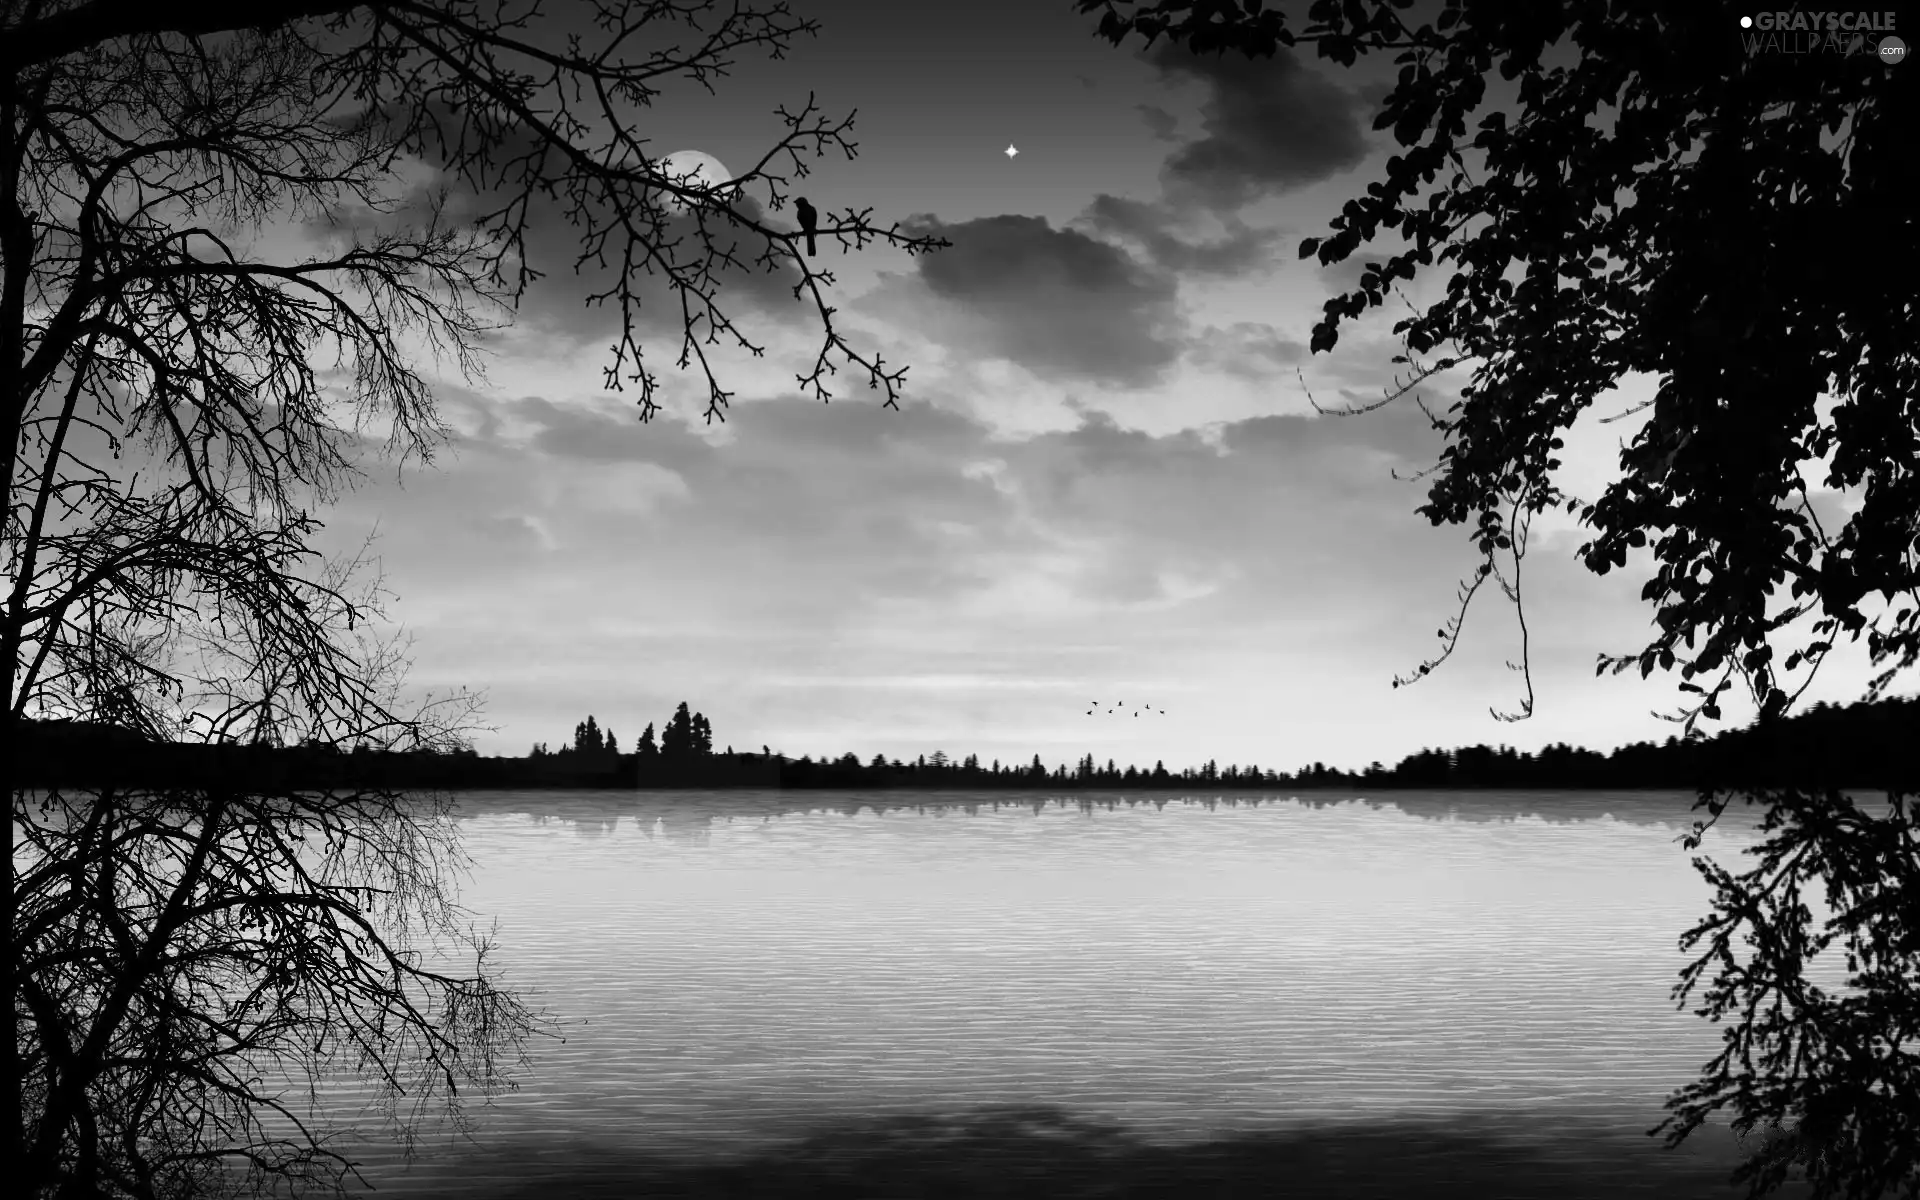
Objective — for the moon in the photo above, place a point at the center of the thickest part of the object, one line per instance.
(695, 167)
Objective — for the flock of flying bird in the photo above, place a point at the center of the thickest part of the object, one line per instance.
(1120, 704)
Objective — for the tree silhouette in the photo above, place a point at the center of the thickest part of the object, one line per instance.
(645, 748)
(1775, 356)
(173, 594)
(586, 737)
(1864, 743)
(676, 737)
(702, 735)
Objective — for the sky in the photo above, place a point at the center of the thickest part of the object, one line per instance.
(1105, 480)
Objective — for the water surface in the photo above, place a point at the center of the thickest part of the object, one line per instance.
(1172, 994)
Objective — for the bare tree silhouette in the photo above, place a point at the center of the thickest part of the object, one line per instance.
(168, 435)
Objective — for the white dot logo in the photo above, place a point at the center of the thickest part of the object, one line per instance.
(1746, 22)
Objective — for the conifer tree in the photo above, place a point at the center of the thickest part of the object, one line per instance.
(676, 739)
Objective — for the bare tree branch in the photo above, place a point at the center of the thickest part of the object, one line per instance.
(170, 429)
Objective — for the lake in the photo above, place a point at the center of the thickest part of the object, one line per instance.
(998, 994)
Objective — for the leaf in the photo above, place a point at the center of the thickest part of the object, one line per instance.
(1308, 246)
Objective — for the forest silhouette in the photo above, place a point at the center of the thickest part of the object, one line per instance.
(1862, 744)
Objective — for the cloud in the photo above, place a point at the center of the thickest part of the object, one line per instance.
(1162, 124)
(574, 560)
(1059, 303)
(1243, 251)
(1247, 350)
(510, 534)
(828, 509)
(1268, 125)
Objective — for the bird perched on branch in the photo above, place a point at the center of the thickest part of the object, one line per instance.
(809, 219)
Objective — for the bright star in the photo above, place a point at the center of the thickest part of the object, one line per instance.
(1011, 151)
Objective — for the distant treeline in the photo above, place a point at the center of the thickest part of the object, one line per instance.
(1859, 746)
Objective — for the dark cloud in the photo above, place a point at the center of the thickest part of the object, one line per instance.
(1361, 365)
(1258, 502)
(1373, 94)
(1161, 123)
(507, 535)
(1246, 349)
(1396, 436)
(1058, 302)
(1243, 251)
(609, 434)
(798, 484)
(1269, 125)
